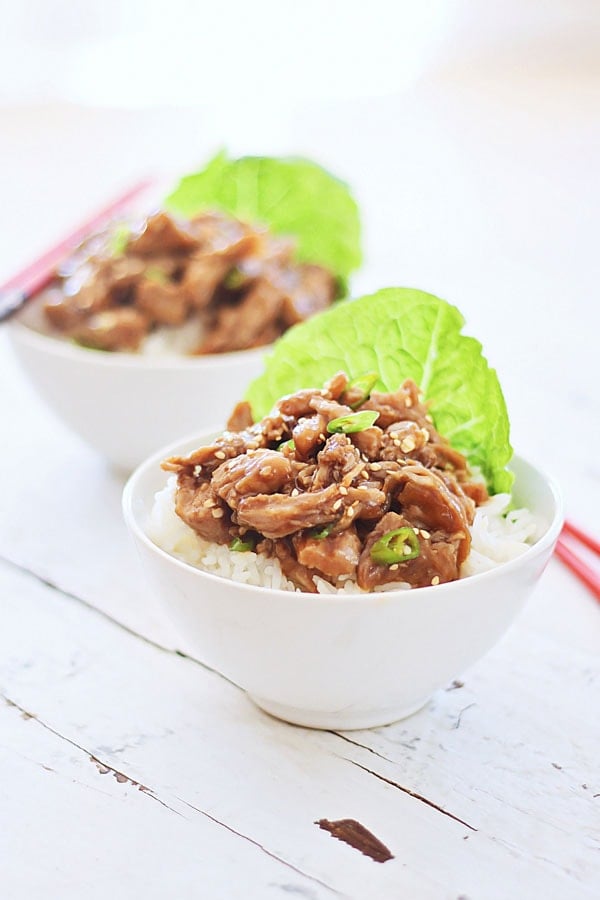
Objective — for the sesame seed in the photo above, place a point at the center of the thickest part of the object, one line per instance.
(408, 402)
(408, 445)
(406, 550)
(321, 436)
(397, 442)
(208, 504)
(343, 490)
(394, 567)
(375, 467)
(337, 504)
(350, 512)
(425, 534)
(197, 471)
(435, 579)
(364, 474)
(219, 455)
(265, 471)
(295, 492)
(217, 513)
(428, 418)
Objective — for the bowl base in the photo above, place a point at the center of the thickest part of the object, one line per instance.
(348, 719)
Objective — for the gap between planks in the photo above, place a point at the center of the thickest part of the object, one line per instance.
(122, 778)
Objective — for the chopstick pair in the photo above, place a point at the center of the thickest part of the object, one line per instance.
(569, 537)
(15, 292)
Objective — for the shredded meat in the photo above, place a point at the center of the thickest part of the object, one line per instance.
(320, 502)
(302, 576)
(241, 417)
(278, 515)
(200, 508)
(338, 457)
(308, 433)
(334, 555)
(112, 329)
(244, 325)
(237, 285)
(259, 473)
(437, 559)
(306, 289)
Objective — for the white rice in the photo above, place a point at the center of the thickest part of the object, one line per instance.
(173, 340)
(497, 535)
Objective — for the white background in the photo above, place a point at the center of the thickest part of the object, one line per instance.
(470, 133)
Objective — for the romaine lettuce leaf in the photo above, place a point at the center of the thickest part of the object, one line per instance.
(291, 196)
(401, 333)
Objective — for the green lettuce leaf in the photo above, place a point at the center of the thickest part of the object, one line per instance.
(401, 333)
(293, 197)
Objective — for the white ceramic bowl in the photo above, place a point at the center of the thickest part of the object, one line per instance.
(341, 661)
(127, 405)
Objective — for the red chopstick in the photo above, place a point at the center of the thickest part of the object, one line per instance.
(582, 537)
(586, 574)
(26, 283)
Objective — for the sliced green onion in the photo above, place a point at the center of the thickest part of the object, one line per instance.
(241, 546)
(353, 422)
(286, 445)
(396, 546)
(119, 239)
(364, 383)
(153, 273)
(234, 279)
(319, 534)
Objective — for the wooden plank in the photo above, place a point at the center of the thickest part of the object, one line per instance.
(202, 749)
(91, 834)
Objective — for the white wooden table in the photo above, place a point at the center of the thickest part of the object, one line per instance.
(128, 768)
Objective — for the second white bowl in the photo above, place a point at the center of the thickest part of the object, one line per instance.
(127, 405)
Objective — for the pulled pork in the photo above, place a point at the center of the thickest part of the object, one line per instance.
(240, 284)
(388, 502)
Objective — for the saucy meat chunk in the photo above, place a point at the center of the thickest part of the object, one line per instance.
(389, 503)
(238, 284)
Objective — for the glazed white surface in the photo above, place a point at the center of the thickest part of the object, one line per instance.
(485, 194)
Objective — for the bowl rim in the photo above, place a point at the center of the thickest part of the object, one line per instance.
(56, 345)
(130, 493)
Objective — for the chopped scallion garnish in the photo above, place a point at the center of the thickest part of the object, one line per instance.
(241, 546)
(119, 239)
(396, 546)
(319, 534)
(364, 384)
(234, 279)
(353, 422)
(153, 273)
